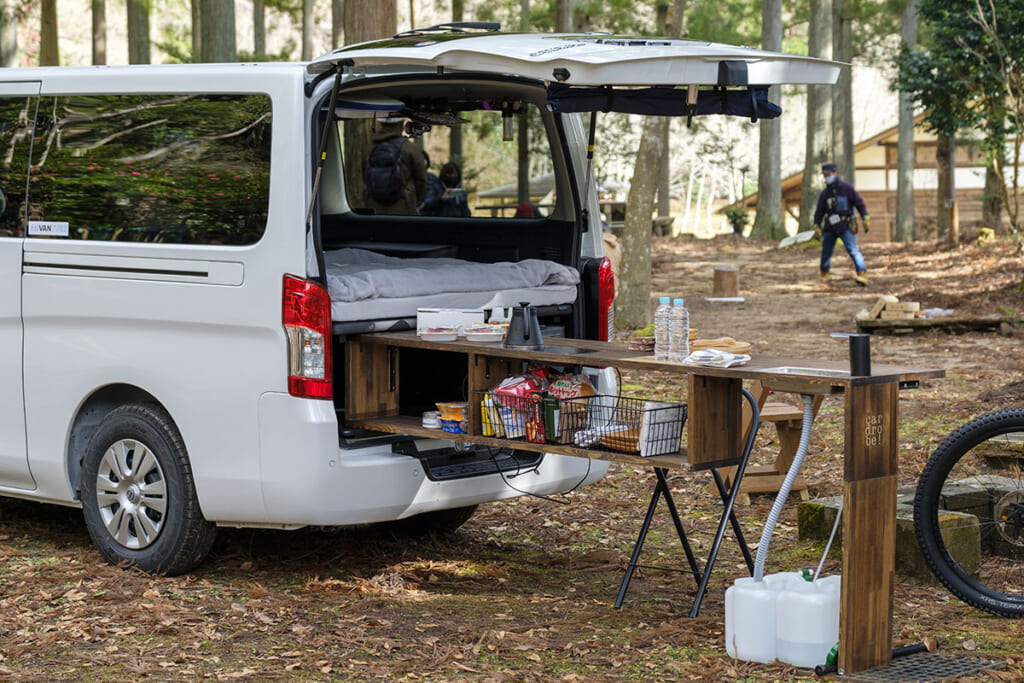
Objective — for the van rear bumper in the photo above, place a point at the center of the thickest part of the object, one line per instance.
(308, 480)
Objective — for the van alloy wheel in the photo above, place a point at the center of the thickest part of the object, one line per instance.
(131, 493)
(138, 495)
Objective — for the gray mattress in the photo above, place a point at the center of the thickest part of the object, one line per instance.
(368, 286)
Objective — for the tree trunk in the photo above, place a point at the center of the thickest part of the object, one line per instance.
(905, 149)
(49, 52)
(992, 203)
(995, 168)
(370, 20)
(364, 21)
(945, 159)
(138, 31)
(769, 223)
(671, 21)
(819, 114)
(842, 93)
(8, 35)
(218, 31)
(633, 298)
(259, 28)
(197, 31)
(307, 30)
(563, 16)
(337, 23)
(99, 32)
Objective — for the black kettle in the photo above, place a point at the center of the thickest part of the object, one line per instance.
(524, 329)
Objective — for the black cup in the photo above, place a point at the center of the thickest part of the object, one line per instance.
(860, 355)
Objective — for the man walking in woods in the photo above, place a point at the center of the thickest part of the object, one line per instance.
(834, 219)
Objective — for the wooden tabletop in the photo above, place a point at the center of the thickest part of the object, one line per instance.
(803, 376)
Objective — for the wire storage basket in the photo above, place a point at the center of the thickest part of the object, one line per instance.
(628, 425)
(536, 417)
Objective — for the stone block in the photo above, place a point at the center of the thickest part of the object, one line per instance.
(960, 531)
(815, 519)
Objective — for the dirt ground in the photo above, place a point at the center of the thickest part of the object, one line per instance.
(525, 590)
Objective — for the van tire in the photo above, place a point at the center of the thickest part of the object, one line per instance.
(149, 519)
(434, 522)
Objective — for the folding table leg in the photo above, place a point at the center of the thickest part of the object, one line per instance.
(663, 481)
(727, 512)
(728, 517)
(736, 528)
(661, 488)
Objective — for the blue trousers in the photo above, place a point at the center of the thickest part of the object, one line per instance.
(828, 245)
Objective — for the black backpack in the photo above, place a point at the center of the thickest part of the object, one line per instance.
(384, 181)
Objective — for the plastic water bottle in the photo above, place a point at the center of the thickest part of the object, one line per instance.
(678, 332)
(661, 315)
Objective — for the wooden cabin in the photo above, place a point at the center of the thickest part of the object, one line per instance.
(876, 180)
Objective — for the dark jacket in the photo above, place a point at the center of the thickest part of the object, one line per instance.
(436, 204)
(835, 206)
(414, 171)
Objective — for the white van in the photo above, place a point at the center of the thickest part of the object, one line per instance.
(181, 249)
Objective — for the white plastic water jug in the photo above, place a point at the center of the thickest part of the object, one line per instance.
(750, 620)
(807, 621)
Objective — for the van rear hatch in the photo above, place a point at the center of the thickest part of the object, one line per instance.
(583, 59)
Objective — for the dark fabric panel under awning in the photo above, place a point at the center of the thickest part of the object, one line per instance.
(751, 102)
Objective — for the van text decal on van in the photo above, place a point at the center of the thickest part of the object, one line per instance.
(48, 228)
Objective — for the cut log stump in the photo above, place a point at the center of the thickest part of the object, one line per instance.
(727, 282)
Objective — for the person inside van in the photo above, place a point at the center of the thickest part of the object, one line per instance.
(527, 210)
(447, 198)
(396, 172)
(433, 185)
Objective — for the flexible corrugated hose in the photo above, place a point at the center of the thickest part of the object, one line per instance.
(787, 484)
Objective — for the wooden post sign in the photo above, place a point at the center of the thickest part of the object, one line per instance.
(869, 522)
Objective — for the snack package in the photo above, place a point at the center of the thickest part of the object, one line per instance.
(570, 386)
(513, 390)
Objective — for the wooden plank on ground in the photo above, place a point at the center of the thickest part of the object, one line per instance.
(903, 306)
(880, 304)
(949, 323)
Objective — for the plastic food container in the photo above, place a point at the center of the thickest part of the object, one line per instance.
(453, 426)
(432, 419)
(452, 410)
(440, 334)
(487, 336)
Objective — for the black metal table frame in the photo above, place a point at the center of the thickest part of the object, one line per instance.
(661, 488)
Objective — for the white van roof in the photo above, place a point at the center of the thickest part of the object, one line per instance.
(583, 59)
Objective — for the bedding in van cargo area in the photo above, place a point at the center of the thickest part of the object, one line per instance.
(365, 285)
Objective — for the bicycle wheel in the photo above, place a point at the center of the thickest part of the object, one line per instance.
(975, 481)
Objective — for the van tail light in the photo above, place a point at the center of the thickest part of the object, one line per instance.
(306, 314)
(605, 300)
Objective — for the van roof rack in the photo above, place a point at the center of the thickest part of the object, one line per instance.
(454, 27)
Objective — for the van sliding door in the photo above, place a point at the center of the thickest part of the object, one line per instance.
(17, 116)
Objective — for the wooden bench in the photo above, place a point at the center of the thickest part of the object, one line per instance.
(788, 421)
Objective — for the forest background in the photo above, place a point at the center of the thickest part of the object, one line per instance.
(962, 71)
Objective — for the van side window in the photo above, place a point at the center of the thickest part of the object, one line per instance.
(188, 169)
(16, 114)
(397, 165)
